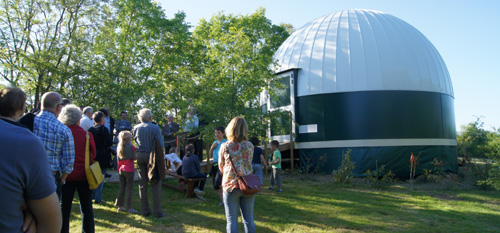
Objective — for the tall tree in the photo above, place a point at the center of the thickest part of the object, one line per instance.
(135, 50)
(235, 54)
(40, 38)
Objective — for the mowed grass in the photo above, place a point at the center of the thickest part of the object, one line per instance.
(314, 203)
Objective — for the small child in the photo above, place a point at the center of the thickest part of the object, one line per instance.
(175, 162)
(191, 169)
(214, 153)
(126, 156)
(275, 161)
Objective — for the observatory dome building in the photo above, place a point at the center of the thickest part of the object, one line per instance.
(369, 82)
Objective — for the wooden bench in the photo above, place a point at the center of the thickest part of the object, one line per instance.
(188, 187)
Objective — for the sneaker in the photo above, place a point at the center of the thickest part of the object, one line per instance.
(161, 215)
(271, 188)
(200, 196)
(199, 192)
(279, 190)
(121, 210)
(101, 202)
(132, 211)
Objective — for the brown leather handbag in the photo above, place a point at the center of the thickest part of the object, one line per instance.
(249, 184)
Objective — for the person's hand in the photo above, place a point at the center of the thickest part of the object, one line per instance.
(29, 224)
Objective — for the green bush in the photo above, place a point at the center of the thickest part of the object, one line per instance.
(344, 172)
(377, 179)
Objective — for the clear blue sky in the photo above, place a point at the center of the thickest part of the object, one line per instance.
(466, 34)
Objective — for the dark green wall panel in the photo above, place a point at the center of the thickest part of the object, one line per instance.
(377, 115)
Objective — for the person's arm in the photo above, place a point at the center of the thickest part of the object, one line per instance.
(222, 151)
(29, 225)
(212, 148)
(47, 213)
(263, 160)
(107, 137)
(127, 125)
(68, 155)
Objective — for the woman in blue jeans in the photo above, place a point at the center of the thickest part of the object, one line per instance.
(240, 151)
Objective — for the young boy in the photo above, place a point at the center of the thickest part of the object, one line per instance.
(175, 162)
(214, 153)
(275, 161)
(191, 169)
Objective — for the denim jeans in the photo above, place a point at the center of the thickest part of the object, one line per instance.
(57, 179)
(98, 191)
(86, 210)
(234, 201)
(199, 184)
(257, 170)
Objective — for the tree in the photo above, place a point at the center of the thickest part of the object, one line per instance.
(234, 58)
(39, 40)
(475, 138)
(132, 57)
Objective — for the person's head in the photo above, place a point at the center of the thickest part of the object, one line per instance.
(170, 118)
(219, 132)
(103, 110)
(189, 149)
(237, 129)
(254, 140)
(98, 118)
(174, 150)
(88, 111)
(191, 111)
(274, 145)
(124, 137)
(65, 101)
(52, 102)
(145, 115)
(70, 115)
(106, 109)
(124, 115)
(12, 102)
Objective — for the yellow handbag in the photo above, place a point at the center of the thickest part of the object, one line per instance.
(93, 172)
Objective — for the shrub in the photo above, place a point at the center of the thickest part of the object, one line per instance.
(344, 172)
(377, 179)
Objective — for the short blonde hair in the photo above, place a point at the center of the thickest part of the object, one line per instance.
(237, 129)
(144, 114)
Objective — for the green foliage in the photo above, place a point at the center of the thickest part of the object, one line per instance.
(475, 138)
(344, 172)
(378, 179)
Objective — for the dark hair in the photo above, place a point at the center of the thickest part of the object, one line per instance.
(103, 111)
(189, 149)
(98, 116)
(275, 143)
(65, 101)
(123, 112)
(11, 100)
(221, 129)
(172, 150)
(254, 140)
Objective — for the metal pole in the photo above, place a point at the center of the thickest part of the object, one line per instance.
(291, 141)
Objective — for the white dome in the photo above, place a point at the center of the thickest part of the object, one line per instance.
(362, 50)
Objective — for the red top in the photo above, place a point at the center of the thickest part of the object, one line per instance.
(127, 165)
(80, 140)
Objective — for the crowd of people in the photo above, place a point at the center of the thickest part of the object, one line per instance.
(45, 153)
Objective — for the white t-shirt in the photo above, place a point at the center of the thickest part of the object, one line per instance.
(86, 122)
(173, 158)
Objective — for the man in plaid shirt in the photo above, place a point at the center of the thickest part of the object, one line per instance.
(56, 137)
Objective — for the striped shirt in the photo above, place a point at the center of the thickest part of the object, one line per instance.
(145, 134)
(57, 139)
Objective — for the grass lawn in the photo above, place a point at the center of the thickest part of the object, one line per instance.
(314, 203)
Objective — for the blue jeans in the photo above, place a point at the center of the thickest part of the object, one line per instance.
(257, 170)
(234, 201)
(98, 190)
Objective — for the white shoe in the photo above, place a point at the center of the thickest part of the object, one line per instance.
(199, 192)
(200, 196)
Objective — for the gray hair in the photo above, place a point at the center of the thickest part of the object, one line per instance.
(144, 115)
(70, 115)
(87, 110)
